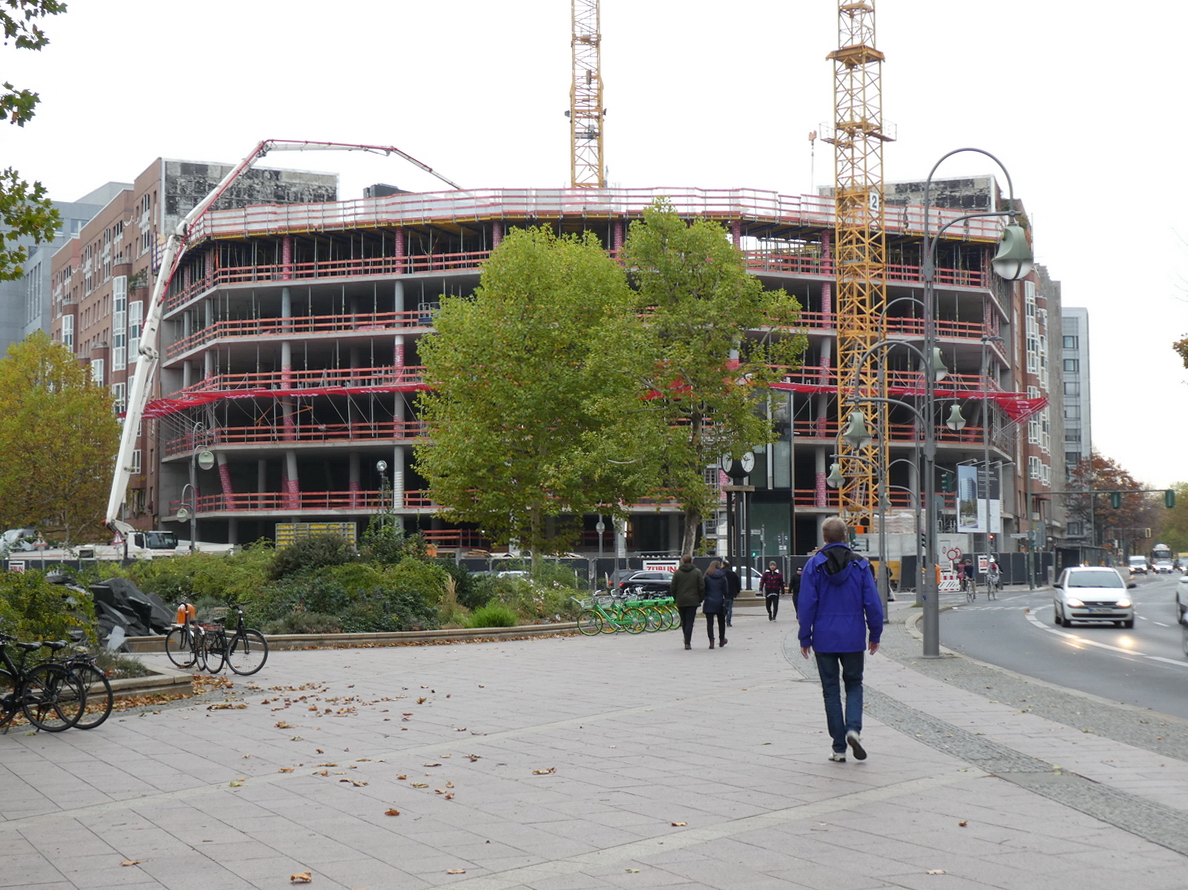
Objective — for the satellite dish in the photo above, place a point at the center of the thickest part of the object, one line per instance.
(206, 459)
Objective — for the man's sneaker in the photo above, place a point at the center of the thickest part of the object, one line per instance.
(855, 742)
(838, 756)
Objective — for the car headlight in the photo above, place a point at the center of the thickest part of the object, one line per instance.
(1124, 603)
(1073, 602)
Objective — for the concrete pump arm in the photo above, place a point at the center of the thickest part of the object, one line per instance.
(175, 248)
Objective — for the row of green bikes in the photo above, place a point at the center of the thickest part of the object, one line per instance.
(633, 611)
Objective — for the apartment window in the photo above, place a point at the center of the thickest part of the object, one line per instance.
(1070, 342)
(119, 324)
(119, 397)
(97, 370)
(1076, 529)
(135, 317)
(1072, 366)
(135, 468)
(68, 332)
(1072, 387)
(1034, 468)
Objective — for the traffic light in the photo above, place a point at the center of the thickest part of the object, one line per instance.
(1116, 500)
(1169, 498)
(948, 481)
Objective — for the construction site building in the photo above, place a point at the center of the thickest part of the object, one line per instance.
(291, 331)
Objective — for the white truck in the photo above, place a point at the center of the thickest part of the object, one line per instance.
(27, 544)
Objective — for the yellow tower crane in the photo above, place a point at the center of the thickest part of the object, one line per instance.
(586, 112)
(859, 253)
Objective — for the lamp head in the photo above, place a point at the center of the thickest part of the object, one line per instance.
(955, 421)
(835, 477)
(856, 432)
(1014, 259)
(937, 366)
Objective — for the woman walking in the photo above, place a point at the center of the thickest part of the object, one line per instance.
(717, 588)
(688, 590)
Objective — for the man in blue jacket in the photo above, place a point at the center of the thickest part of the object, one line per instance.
(839, 604)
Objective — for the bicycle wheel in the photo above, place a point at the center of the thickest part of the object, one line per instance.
(9, 702)
(100, 698)
(52, 699)
(634, 620)
(178, 648)
(247, 652)
(655, 620)
(611, 621)
(215, 652)
(589, 623)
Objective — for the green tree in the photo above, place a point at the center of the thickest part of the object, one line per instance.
(704, 343)
(25, 208)
(58, 435)
(514, 405)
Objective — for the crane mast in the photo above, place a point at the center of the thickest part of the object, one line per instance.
(860, 251)
(586, 112)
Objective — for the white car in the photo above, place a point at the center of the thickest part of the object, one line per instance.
(1093, 593)
(1182, 596)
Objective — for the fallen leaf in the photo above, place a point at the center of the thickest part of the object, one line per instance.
(679, 824)
(544, 772)
(392, 812)
(456, 871)
(419, 785)
(236, 784)
(285, 769)
(473, 757)
(355, 783)
(130, 862)
(449, 784)
(281, 724)
(402, 776)
(302, 877)
(432, 764)
(632, 871)
(936, 871)
(963, 823)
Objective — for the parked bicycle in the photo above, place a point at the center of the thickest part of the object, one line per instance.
(100, 699)
(207, 646)
(49, 697)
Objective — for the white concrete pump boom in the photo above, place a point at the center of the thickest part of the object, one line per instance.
(175, 247)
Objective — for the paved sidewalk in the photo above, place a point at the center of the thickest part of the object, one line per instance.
(609, 762)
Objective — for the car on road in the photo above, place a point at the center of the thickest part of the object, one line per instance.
(1182, 597)
(1138, 565)
(1092, 593)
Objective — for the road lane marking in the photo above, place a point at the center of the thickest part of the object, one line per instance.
(1034, 619)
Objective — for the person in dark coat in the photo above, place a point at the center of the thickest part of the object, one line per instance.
(688, 590)
(794, 584)
(717, 590)
(772, 582)
(839, 607)
(734, 588)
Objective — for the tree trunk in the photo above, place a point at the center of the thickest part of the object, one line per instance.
(689, 538)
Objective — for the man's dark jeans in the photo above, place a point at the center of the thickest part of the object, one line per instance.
(849, 666)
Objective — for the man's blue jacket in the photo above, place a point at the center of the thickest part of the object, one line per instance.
(838, 602)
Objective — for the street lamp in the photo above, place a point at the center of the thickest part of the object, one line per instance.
(1012, 262)
(189, 508)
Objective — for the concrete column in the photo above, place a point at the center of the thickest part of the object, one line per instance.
(225, 481)
(398, 250)
(286, 257)
(496, 233)
(822, 470)
(354, 485)
(292, 490)
(398, 296)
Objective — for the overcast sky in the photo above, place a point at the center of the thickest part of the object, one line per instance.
(1083, 107)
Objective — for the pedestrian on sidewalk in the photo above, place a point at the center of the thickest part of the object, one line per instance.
(772, 582)
(794, 585)
(733, 589)
(839, 604)
(714, 606)
(688, 590)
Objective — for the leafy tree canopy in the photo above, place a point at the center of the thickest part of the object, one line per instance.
(1126, 524)
(25, 208)
(58, 435)
(704, 343)
(514, 400)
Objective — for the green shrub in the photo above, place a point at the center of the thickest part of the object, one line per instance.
(304, 623)
(311, 554)
(33, 608)
(383, 542)
(493, 615)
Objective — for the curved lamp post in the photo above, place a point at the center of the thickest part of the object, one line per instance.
(1012, 262)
